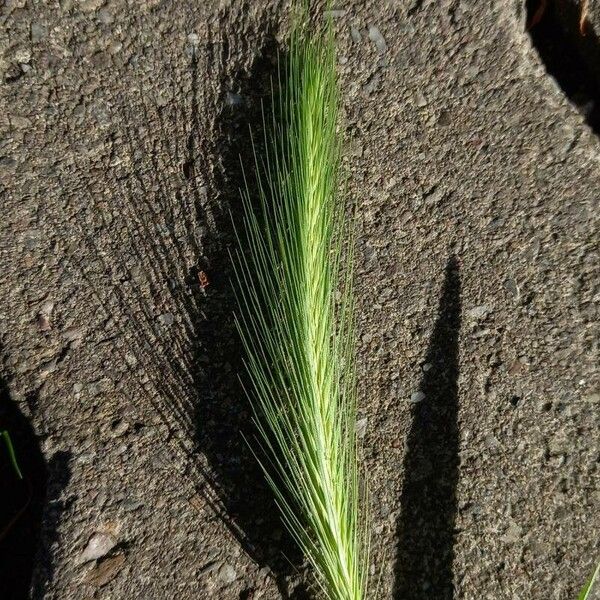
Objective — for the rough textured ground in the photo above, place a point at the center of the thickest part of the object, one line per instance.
(476, 182)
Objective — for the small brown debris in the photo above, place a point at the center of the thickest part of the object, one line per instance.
(583, 17)
(196, 502)
(203, 280)
(538, 14)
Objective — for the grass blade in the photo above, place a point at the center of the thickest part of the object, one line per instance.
(589, 586)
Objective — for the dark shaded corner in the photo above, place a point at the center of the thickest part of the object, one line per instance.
(568, 46)
(428, 502)
(28, 516)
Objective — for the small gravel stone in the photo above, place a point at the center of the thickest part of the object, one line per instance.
(361, 427)
(99, 545)
(479, 312)
(435, 197)
(355, 35)
(233, 99)
(97, 387)
(47, 368)
(444, 120)
(491, 441)
(131, 359)
(131, 504)
(191, 46)
(420, 100)
(209, 567)
(166, 319)
(119, 428)
(23, 56)
(512, 534)
(7, 163)
(193, 39)
(376, 37)
(38, 32)
(105, 16)
(227, 573)
(510, 285)
(46, 308)
(19, 122)
(90, 5)
(73, 334)
(417, 396)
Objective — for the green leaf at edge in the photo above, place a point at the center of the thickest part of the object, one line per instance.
(11, 453)
(585, 592)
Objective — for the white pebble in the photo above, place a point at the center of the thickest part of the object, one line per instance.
(100, 545)
(376, 37)
(417, 396)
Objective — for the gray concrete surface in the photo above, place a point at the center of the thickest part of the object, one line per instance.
(121, 125)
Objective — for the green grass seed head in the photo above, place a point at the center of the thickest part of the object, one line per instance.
(297, 336)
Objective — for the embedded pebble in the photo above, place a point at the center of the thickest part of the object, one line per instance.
(105, 16)
(479, 312)
(37, 32)
(73, 334)
(119, 428)
(491, 441)
(131, 504)
(191, 46)
(420, 100)
(166, 319)
(97, 387)
(48, 368)
(417, 396)
(227, 574)
(46, 308)
(355, 35)
(23, 55)
(209, 567)
(513, 533)
(510, 285)
(376, 37)
(7, 163)
(233, 99)
(361, 427)
(131, 359)
(99, 545)
(90, 5)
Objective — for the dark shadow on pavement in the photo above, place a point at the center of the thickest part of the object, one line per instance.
(28, 518)
(428, 502)
(223, 412)
(178, 192)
